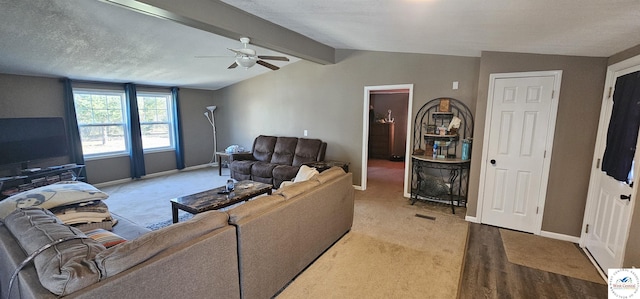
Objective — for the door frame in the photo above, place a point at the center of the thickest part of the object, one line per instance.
(365, 130)
(626, 66)
(557, 74)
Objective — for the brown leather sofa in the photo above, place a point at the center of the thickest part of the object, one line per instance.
(274, 160)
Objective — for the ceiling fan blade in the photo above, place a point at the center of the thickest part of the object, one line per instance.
(268, 65)
(233, 65)
(281, 58)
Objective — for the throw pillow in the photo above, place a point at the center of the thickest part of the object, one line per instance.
(83, 212)
(304, 173)
(105, 237)
(106, 224)
(50, 196)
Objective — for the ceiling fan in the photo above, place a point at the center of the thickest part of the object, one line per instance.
(247, 57)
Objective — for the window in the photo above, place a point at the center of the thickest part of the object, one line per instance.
(101, 121)
(104, 126)
(155, 120)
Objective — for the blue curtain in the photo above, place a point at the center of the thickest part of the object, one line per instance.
(177, 129)
(136, 153)
(75, 144)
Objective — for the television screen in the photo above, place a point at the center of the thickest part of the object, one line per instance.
(29, 139)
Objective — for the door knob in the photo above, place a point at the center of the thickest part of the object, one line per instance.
(493, 162)
(626, 197)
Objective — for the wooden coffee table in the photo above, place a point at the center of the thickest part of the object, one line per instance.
(213, 200)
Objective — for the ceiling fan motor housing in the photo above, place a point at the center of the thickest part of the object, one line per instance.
(246, 61)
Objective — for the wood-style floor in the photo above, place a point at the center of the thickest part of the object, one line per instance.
(488, 274)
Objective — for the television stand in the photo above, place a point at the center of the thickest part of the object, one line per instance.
(33, 178)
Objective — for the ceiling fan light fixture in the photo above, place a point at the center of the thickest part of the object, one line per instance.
(246, 61)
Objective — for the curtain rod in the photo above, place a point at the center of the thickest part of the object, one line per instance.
(116, 83)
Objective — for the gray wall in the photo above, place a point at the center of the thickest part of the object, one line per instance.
(329, 100)
(198, 134)
(22, 96)
(28, 96)
(576, 127)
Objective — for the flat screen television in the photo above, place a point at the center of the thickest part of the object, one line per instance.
(29, 139)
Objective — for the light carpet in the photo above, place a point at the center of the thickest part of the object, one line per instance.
(389, 252)
(546, 254)
(147, 201)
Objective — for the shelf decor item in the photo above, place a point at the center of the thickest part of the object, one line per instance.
(466, 149)
(444, 105)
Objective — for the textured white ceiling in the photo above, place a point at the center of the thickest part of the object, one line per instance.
(460, 27)
(93, 40)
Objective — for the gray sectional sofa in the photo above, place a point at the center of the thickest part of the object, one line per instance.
(232, 254)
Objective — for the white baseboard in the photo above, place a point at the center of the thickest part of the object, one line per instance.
(111, 183)
(357, 187)
(156, 174)
(215, 164)
(558, 236)
(473, 219)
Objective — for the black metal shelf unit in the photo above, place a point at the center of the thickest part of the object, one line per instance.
(451, 189)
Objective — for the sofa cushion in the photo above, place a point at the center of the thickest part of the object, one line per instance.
(307, 150)
(262, 169)
(263, 148)
(329, 174)
(64, 268)
(50, 196)
(290, 191)
(284, 150)
(242, 166)
(253, 207)
(119, 258)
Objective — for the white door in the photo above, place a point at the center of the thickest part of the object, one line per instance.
(609, 203)
(522, 118)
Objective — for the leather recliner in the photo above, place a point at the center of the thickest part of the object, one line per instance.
(274, 160)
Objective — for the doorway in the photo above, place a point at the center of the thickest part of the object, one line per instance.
(386, 89)
(519, 129)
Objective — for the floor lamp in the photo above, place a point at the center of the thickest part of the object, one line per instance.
(212, 121)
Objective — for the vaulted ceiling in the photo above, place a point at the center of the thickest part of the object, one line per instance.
(156, 41)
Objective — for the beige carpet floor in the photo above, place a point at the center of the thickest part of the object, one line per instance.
(549, 255)
(389, 253)
(147, 201)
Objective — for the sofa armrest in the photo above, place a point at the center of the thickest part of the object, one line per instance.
(241, 156)
(321, 152)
